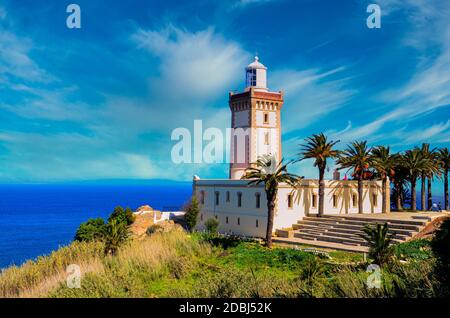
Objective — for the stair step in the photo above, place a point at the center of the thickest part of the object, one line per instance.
(376, 220)
(354, 235)
(337, 228)
(360, 225)
(326, 238)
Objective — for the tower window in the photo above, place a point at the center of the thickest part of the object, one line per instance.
(257, 223)
(266, 118)
(375, 199)
(228, 196)
(226, 220)
(354, 200)
(314, 200)
(266, 138)
(239, 199)
(239, 221)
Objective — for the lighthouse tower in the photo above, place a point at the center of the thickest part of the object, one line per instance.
(255, 119)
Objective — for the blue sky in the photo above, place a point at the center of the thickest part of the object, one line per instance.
(101, 102)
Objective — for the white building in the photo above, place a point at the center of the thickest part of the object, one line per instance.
(241, 209)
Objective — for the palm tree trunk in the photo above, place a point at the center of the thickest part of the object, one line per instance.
(321, 191)
(413, 195)
(422, 191)
(398, 197)
(271, 213)
(430, 198)
(360, 195)
(383, 195)
(398, 202)
(446, 207)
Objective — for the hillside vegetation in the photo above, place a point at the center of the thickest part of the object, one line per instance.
(174, 263)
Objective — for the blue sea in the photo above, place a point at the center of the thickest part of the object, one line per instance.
(37, 219)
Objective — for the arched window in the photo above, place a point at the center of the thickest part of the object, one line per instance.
(290, 200)
(202, 197)
(314, 200)
(266, 138)
(217, 194)
(239, 199)
(335, 201)
(258, 200)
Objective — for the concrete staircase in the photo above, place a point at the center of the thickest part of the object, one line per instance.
(345, 230)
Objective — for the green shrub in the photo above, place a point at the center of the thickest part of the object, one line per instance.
(90, 230)
(123, 216)
(154, 228)
(441, 249)
(419, 249)
(313, 275)
(379, 243)
(115, 233)
(211, 226)
(191, 215)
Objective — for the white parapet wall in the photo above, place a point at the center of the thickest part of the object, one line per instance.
(242, 209)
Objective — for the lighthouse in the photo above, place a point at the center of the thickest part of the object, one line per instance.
(255, 121)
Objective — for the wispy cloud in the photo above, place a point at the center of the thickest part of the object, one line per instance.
(428, 88)
(311, 94)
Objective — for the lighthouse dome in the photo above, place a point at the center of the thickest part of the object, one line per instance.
(256, 64)
(256, 76)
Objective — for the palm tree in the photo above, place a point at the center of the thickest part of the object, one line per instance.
(433, 170)
(115, 233)
(414, 162)
(379, 241)
(357, 157)
(399, 180)
(267, 171)
(427, 174)
(383, 162)
(444, 162)
(320, 149)
(425, 152)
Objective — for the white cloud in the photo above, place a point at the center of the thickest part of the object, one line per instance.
(193, 64)
(196, 70)
(428, 88)
(15, 59)
(310, 94)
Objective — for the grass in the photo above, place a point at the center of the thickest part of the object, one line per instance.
(419, 249)
(176, 264)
